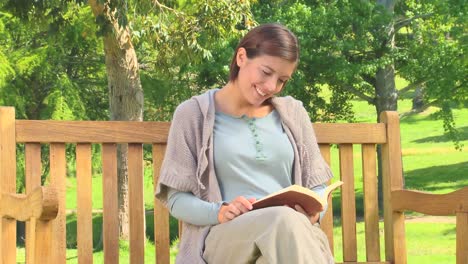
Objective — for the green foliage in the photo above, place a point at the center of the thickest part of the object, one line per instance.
(184, 48)
(45, 65)
(345, 43)
(6, 71)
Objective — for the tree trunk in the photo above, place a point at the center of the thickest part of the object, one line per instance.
(385, 90)
(125, 97)
(386, 93)
(418, 99)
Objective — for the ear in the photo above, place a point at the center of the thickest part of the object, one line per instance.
(241, 57)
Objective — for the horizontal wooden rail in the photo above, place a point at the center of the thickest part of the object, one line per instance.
(91, 131)
(431, 204)
(156, 132)
(41, 204)
(359, 133)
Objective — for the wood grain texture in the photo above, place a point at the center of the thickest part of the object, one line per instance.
(371, 207)
(91, 131)
(136, 203)
(462, 237)
(431, 204)
(392, 179)
(327, 220)
(353, 133)
(110, 206)
(58, 181)
(156, 132)
(84, 203)
(41, 203)
(33, 170)
(7, 181)
(348, 203)
(161, 215)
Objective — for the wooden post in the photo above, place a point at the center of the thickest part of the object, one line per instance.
(161, 215)
(462, 237)
(110, 217)
(392, 172)
(58, 180)
(85, 206)
(327, 220)
(137, 207)
(7, 181)
(348, 203)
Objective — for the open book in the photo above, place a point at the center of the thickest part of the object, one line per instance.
(310, 201)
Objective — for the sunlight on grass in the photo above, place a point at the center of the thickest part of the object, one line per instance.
(424, 241)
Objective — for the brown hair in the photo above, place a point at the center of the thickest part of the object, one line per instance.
(267, 39)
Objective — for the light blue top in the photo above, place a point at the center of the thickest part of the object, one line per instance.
(253, 157)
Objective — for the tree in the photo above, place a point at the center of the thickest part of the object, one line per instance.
(183, 20)
(173, 37)
(355, 48)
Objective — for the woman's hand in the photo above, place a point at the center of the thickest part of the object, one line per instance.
(236, 207)
(314, 217)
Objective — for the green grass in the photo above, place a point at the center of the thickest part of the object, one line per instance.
(426, 243)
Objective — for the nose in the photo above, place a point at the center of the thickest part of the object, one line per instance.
(272, 84)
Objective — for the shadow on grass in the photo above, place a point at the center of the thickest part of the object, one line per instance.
(71, 233)
(463, 135)
(427, 179)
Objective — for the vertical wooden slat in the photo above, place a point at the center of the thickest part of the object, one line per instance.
(38, 245)
(161, 215)
(136, 203)
(327, 220)
(58, 180)
(371, 207)
(462, 237)
(392, 179)
(348, 203)
(7, 181)
(181, 227)
(84, 215)
(110, 223)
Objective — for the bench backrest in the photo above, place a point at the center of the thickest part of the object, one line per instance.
(34, 133)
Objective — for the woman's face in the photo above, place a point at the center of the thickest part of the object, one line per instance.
(262, 77)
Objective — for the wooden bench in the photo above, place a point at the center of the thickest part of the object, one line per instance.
(56, 134)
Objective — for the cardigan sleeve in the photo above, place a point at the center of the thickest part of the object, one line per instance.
(179, 167)
(317, 171)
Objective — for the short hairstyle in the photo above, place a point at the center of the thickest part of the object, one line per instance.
(267, 39)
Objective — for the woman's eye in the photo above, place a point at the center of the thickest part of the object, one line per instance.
(266, 72)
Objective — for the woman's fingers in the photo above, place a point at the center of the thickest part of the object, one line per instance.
(238, 206)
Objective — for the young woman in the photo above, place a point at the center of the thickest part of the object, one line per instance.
(231, 146)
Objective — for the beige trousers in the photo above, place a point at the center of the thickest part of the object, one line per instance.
(271, 235)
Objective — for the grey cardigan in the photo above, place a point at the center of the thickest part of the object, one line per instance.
(188, 161)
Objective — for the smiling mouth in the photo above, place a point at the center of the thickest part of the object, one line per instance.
(260, 91)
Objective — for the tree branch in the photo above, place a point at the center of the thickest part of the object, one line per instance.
(404, 22)
(360, 94)
(161, 6)
(410, 86)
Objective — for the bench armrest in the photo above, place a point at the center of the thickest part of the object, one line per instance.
(41, 203)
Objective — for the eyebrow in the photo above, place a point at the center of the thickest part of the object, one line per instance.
(271, 69)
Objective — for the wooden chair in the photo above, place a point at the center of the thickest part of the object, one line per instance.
(34, 133)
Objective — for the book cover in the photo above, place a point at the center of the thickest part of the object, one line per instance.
(296, 194)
